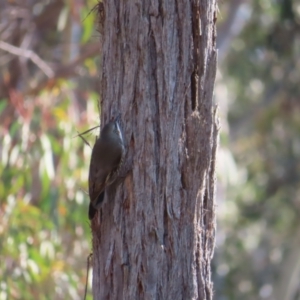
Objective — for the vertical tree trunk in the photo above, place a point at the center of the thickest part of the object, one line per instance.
(155, 237)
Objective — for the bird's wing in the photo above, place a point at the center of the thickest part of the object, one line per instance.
(97, 179)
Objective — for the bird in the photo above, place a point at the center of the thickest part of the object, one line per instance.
(106, 160)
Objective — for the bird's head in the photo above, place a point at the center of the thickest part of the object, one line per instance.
(112, 130)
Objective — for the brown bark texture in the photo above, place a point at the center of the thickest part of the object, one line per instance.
(154, 235)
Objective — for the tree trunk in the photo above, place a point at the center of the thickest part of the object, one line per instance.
(154, 237)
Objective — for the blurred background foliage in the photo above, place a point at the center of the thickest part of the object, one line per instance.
(258, 239)
(49, 60)
(49, 84)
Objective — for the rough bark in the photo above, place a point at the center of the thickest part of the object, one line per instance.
(154, 238)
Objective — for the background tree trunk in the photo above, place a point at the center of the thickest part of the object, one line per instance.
(155, 237)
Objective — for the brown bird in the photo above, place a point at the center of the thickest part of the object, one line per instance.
(106, 161)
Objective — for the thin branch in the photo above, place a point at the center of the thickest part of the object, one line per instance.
(82, 133)
(66, 71)
(28, 54)
(87, 273)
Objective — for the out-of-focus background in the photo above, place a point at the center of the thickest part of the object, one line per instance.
(49, 84)
(257, 252)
